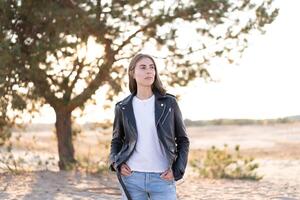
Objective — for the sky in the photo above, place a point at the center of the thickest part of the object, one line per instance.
(265, 84)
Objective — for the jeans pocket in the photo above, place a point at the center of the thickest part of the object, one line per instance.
(130, 175)
(167, 181)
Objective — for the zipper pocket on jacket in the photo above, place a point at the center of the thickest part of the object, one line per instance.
(169, 111)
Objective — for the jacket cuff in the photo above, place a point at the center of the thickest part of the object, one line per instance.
(113, 167)
(177, 173)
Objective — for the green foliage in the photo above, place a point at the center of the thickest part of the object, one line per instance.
(5, 131)
(219, 163)
(88, 162)
(89, 165)
(45, 51)
(5, 134)
(5, 125)
(47, 47)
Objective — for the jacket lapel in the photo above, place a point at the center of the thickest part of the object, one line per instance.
(127, 108)
(160, 107)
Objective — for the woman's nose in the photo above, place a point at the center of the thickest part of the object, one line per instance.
(149, 71)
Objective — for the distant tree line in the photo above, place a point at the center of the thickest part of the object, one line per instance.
(291, 119)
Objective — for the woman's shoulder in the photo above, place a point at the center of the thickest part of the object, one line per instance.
(124, 101)
(170, 95)
(170, 98)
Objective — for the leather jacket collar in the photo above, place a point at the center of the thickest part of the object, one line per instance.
(160, 107)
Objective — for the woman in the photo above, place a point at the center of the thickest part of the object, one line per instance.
(149, 147)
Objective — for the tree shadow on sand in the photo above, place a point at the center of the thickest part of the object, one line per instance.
(5, 180)
(60, 185)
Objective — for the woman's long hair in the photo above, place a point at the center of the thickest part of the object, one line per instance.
(156, 86)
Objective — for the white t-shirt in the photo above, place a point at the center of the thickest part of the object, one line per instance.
(149, 154)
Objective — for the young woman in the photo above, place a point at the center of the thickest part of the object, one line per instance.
(149, 147)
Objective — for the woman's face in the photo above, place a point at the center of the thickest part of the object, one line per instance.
(144, 72)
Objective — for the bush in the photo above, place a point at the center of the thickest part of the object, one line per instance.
(88, 165)
(5, 134)
(219, 163)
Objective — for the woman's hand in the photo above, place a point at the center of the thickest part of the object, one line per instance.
(167, 175)
(125, 170)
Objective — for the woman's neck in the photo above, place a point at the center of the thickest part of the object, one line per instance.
(144, 93)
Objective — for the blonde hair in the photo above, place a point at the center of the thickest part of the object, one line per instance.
(157, 84)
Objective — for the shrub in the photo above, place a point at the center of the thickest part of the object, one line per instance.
(5, 134)
(88, 165)
(219, 163)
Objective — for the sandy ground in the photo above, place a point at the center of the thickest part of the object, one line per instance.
(49, 185)
(275, 147)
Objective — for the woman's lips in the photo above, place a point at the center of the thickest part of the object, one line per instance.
(149, 78)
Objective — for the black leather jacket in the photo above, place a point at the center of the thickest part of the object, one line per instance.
(170, 128)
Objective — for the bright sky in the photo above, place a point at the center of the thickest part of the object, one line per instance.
(264, 85)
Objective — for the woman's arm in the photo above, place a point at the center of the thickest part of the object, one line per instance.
(182, 142)
(117, 138)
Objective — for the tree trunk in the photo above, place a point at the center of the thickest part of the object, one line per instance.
(63, 126)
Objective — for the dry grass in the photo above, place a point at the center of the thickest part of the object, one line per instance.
(276, 147)
(262, 142)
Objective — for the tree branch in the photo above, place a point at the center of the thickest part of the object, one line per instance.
(101, 77)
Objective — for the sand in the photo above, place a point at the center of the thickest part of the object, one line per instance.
(275, 147)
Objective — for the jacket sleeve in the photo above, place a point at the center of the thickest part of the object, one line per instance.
(117, 138)
(182, 142)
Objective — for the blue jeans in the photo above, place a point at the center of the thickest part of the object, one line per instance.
(148, 185)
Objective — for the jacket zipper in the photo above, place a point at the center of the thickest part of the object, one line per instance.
(159, 136)
(160, 116)
(166, 116)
